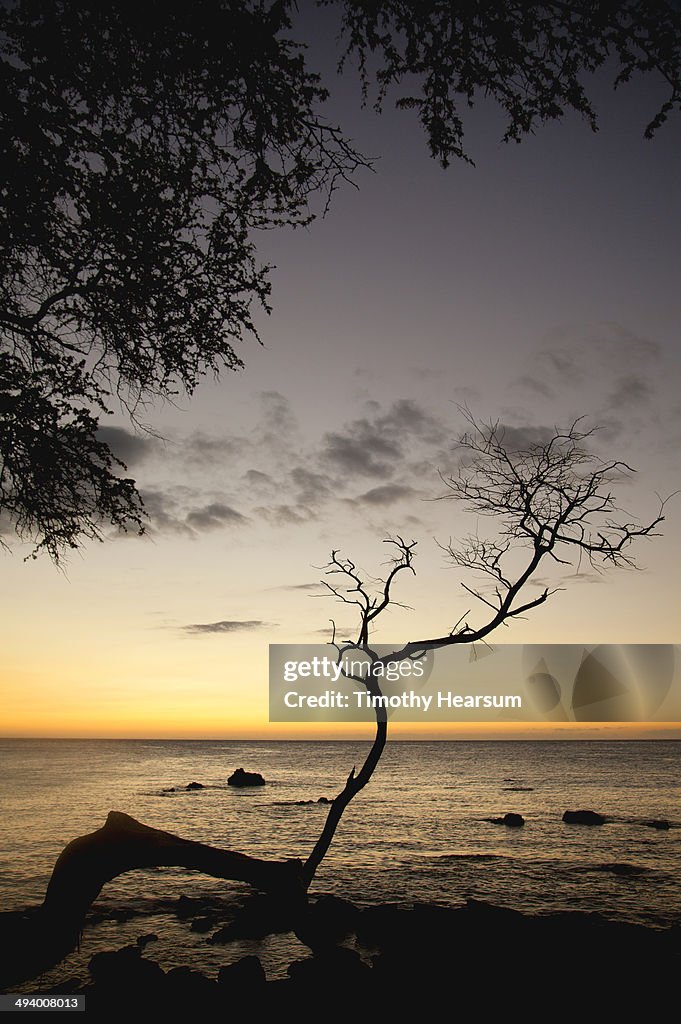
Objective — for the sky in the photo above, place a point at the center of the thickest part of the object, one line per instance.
(540, 285)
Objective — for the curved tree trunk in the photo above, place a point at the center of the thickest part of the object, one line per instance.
(123, 844)
(36, 941)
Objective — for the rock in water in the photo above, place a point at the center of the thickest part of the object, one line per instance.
(583, 818)
(511, 820)
(661, 824)
(242, 778)
(195, 785)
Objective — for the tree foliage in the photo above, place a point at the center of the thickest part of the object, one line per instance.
(142, 146)
(145, 144)
(531, 58)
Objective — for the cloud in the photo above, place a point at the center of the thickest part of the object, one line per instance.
(163, 511)
(520, 439)
(277, 475)
(536, 386)
(167, 512)
(406, 417)
(277, 413)
(285, 515)
(298, 586)
(312, 487)
(361, 452)
(577, 359)
(207, 450)
(386, 495)
(630, 391)
(224, 626)
(374, 445)
(257, 480)
(214, 516)
(129, 448)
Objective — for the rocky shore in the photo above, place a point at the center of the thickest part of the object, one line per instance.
(382, 956)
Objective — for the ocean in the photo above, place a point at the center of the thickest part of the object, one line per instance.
(417, 833)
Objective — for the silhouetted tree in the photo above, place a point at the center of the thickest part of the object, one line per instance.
(531, 58)
(145, 143)
(551, 501)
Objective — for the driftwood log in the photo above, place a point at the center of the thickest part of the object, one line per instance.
(36, 940)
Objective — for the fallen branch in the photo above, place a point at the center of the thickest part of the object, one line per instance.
(40, 939)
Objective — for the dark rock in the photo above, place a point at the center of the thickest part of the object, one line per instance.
(382, 923)
(124, 968)
(261, 915)
(511, 820)
(325, 800)
(616, 868)
(202, 924)
(661, 824)
(144, 940)
(195, 785)
(326, 922)
(334, 966)
(192, 906)
(245, 973)
(241, 778)
(122, 916)
(583, 818)
(190, 988)
(517, 789)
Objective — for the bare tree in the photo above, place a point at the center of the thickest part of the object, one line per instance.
(552, 502)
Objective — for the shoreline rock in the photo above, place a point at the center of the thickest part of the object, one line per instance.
(583, 818)
(241, 779)
(510, 820)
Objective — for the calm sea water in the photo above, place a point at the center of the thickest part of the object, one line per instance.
(417, 833)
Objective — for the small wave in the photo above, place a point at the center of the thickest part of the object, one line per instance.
(473, 856)
(614, 868)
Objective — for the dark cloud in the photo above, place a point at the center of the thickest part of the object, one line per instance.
(520, 439)
(374, 445)
(224, 626)
(536, 386)
(277, 413)
(312, 487)
(214, 516)
(570, 578)
(405, 417)
(386, 495)
(285, 515)
(207, 449)
(629, 392)
(563, 365)
(256, 479)
(130, 448)
(163, 511)
(361, 452)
